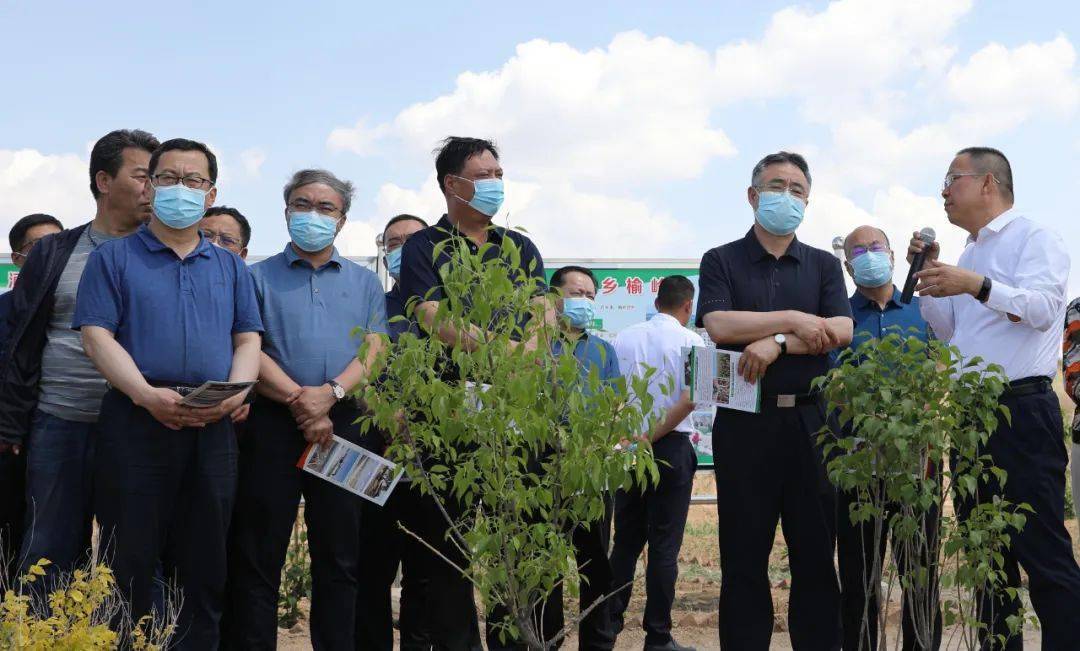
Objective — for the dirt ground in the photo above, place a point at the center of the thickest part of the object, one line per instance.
(695, 612)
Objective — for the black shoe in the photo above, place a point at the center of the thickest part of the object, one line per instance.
(670, 646)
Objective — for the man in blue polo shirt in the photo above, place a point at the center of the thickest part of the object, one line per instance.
(577, 287)
(161, 312)
(877, 312)
(311, 299)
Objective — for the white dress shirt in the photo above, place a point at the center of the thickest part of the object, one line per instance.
(657, 344)
(1029, 269)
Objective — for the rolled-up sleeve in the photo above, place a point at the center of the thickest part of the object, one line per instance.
(1042, 274)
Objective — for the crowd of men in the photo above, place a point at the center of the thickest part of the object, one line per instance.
(113, 321)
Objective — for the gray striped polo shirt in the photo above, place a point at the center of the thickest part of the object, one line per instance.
(70, 388)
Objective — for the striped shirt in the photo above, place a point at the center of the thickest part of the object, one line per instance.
(71, 387)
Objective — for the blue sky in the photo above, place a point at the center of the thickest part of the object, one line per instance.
(628, 129)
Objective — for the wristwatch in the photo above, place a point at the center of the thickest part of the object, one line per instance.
(339, 393)
(782, 340)
(984, 291)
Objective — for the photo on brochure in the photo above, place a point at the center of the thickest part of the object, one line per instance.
(352, 468)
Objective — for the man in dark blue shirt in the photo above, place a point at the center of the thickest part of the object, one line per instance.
(784, 305)
(470, 177)
(380, 537)
(22, 237)
(311, 299)
(877, 312)
(162, 312)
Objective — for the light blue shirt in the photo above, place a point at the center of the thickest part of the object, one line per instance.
(310, 314)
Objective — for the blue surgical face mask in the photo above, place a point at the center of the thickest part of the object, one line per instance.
(178, 206)
(488, 195)
(872, 269)
(580, 311)
(780, 213)
(393, 262)
(311, 231)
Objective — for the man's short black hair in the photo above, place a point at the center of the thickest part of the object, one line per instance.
(403, 217)
(183, 144)
(451, 155)
(17, 234)
(558, 279)
(674, 292)
(108, 152)
(988, 160)
(780, 157)
(245, 227)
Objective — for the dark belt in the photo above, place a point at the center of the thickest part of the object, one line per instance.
(789, 400)
(183, 388)
(1028, 386)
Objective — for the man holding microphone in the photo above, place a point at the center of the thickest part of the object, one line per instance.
(1004, 302)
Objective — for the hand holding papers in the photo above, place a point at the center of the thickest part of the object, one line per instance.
(211, 394)
(353, 468)
(713, 378)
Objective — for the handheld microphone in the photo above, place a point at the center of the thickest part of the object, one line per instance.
(927, 236)
(838, 247)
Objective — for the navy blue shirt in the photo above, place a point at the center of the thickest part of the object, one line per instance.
(310, 313)
(871, 322)
(420, 276)
(395, 306)
(592, 351)
(742, 276)
(5, 310)
(176, 318)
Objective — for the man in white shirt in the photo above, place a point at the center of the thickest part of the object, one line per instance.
(1005, 302)
(657, 514)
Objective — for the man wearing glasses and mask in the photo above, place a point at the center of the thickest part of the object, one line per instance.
(877, 312)
(311, 299)
(162, 312)
(784, 305)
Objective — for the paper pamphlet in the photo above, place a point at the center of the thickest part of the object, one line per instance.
(353, 468)
(210, 394)
(714, 381)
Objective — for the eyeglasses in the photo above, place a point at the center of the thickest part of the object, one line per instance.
(951, 178)
(24, 252)
(324, 208)
(193, 181)
(221, 239)
(876, 247)
(796, 190)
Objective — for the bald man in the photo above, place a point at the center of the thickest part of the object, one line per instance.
(877, 311)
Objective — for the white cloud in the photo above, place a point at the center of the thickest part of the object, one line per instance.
(57, 184)
(358, 139)
(357, 238)
(999, 88)
(252, 161)
(561, 112)
(841, 54)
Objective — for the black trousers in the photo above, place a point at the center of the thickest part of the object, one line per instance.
(769, 469)
(267, 502)
(451, 622)
(163, 499)
(12, 513)
(856, 553)
(1032, 451)
(388, 546)
(595, 630)
(657, 516)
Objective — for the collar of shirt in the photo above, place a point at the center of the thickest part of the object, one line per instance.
(996, 225)
(446, 229)
(154, 245)
(292, 258)
(755, 252)
(860, 301)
